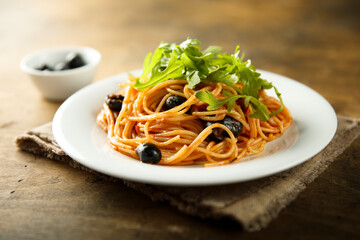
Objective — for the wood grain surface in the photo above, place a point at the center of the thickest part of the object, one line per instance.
(314, 42)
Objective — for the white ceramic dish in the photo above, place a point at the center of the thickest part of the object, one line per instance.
(59, 85)
(75, 130)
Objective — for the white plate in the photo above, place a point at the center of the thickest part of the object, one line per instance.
(75, 130)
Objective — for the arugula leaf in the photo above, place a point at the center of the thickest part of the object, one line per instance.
(174, 70)
(168, 47)
(193, 78)
(196, 62)
(231, 99)
(148, 64)
(260, 110)
(208, 97)
(212, 49)
(214, 103)
(281, 101)
(191, 47)
(222, 74)
(251, 83)
(187, 61)
(265, 84)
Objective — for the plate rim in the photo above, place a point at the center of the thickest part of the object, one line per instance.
(67, 148)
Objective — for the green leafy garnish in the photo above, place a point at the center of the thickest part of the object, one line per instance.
(260, 110)
(215, 103)
(187, 61)
(173, 70)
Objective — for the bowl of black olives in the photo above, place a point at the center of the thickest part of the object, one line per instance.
(59, 72)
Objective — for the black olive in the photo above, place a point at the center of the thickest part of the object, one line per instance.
(61, 66)
(148, 153)
(233, 125)
(219, 134)
(174, 101)
(114, 102)
(44, 67)
(74, 60)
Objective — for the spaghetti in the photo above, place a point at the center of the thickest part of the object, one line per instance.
(181, 136)
(183, 133)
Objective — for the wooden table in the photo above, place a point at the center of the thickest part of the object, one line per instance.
(314, 42)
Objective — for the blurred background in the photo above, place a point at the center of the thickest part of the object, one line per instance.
(315, 42)
(310, 41)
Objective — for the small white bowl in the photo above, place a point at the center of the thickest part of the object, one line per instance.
(59, 85)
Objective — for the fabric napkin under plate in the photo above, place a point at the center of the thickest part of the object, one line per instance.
(253, 204)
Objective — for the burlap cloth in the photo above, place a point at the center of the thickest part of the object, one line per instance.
(253, 204)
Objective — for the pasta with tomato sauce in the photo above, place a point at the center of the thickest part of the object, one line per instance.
(215, 111)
